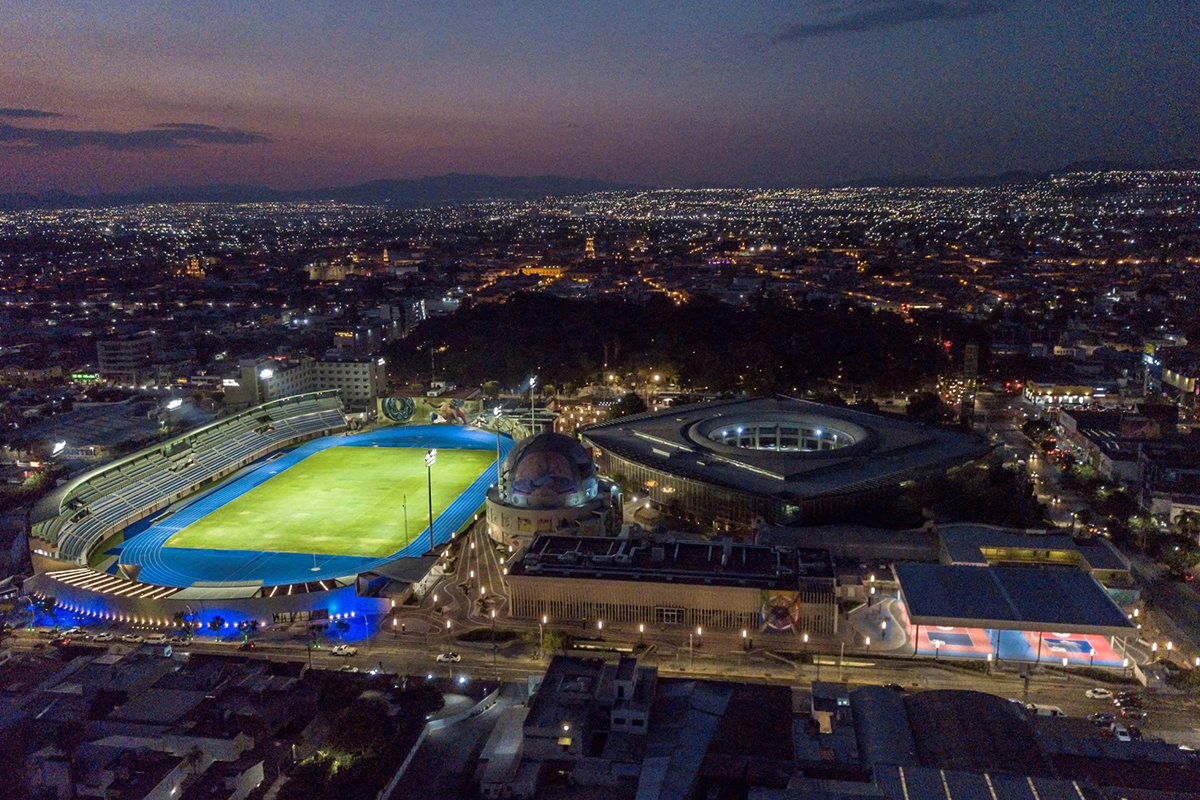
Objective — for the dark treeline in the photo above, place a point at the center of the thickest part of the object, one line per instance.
(704, 344)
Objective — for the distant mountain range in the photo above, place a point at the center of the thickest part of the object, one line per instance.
(402, 192)
(1017, 176)
(458, 188)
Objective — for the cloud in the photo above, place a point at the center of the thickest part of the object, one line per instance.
(889, 14)
(28, 113)
(163, 136)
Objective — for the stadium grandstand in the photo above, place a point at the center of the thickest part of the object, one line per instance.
(68, 524)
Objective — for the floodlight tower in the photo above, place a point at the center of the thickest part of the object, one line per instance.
(430, 460)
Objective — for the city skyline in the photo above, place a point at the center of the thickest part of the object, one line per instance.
(104, 97)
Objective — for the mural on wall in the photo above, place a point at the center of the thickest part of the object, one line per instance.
(398, 409)
(450, 411)
(781, 611)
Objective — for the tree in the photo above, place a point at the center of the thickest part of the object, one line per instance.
(925, 406)
(216, 623)
(47, 606)
(631, 403)
(491, 389)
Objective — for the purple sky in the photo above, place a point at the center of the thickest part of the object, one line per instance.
(109, 95)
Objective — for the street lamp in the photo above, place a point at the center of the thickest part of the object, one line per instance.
(542, 638)
(745, 640)
(394, 634)
(1066, 675)
(642, 629)
(430, 460)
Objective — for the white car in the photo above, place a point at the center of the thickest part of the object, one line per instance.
(344, 650)
(156, 638)
(1099, 693)
(132, 638)
(105, 636)
(348, 668)
(1121, 733)
(452, 658)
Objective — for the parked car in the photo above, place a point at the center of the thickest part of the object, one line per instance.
(1099, 693)
(895, 687)
(1102, 719)
(61, 641)
(73, 632)
(452, 658)
(132, 638)
(104, 636)
(344, 650)
(156, 638)
(247, 645)
(1133, 714)
(1121, 733)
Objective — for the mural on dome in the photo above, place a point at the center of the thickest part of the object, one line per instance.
(398, 409)
(551, 471)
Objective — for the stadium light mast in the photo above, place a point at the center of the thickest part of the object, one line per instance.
(532, 383)
(496, 422)
(430, 460)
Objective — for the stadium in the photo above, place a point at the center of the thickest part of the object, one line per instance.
(277, 513)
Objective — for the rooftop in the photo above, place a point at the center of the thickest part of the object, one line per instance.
(1009, 598)
(721, 562)
(784, 447)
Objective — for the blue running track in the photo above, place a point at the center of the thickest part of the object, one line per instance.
(177, 566)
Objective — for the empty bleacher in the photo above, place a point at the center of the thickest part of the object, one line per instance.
(110, 498)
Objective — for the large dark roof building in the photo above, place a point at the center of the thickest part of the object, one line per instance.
(779, 459)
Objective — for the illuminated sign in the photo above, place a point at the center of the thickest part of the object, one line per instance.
(86, 377)
(229, 382)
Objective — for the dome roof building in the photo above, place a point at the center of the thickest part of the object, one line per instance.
(549, 484)
(549, 471)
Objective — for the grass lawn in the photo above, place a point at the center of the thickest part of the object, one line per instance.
(339, 501)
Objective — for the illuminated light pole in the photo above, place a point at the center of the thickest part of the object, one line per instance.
(430, 460)
(868, 643)
(989, 663)
(496, 422)
(745, 640)
(1066, 675)
(394, 633)
(532, 383)
(542, 638)
(642, 629)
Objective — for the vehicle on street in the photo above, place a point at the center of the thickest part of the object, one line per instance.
(132, 638)
(1046, 711)
(344, 650)
(1133, 715)
(74, 632)
(895, 687)
(1099, 693)
(1121, 733)
(104, 636)
(450, 657)
(1102, 719)
(61, 641)
(348, 668)
(156, 638)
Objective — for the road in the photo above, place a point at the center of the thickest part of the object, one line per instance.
(1174, 717)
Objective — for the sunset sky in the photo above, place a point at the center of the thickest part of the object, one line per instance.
(111, 95)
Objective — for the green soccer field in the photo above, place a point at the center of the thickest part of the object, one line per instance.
(339, 501)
